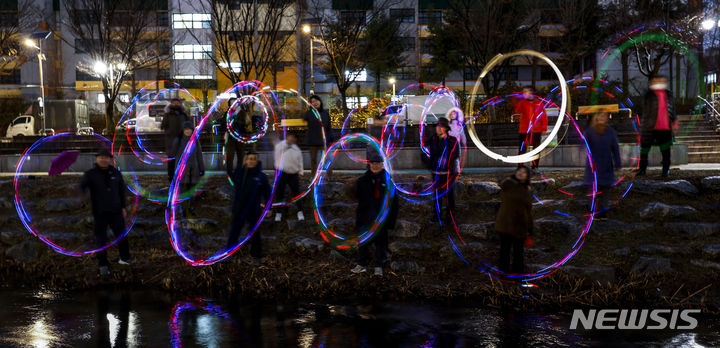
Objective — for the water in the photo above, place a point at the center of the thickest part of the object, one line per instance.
(115, 318)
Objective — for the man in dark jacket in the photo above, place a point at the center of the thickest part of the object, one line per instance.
(443, 163)
(194, 167)
(107, 194)
(514, 221)
(251, 189)
(657, 124)
(370, 191)
(234, 149)
(172, 126)
(314, 137)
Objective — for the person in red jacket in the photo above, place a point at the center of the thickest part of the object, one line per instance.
(533, 121)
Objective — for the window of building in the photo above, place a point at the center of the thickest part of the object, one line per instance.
(10, 77)
(357, 75)
(425, 45)
(356, 102)
(470, 73)
(403, 15)
(353, 17)
(408, 43)
(547, 73)
(193, 51)
(191, 20)
(9, 19)
(193, 77)
(405, 73)
(430, 17)
(124, 97)
(511, 70)
(235, 67)
(162, 19)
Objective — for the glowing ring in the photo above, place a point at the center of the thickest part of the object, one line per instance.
(544, 272)
(437, 93)
(528, 156)
(231, 116)
(197, 304)
(171, 216)
(333, 238)
(343, 131)
(25, 217)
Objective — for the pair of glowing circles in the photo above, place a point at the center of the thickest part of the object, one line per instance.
(564, 105)
(334, 238)
(232, 113)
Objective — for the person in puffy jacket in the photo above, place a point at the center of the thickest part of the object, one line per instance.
(194, 166)
(107, 195)
(171, 125)
(533, 122)
(658, 121)
(315, 127)
(289, 162)
(370, 190)
(443, 163)
(514, 221)
(252, 189)
(603, 143)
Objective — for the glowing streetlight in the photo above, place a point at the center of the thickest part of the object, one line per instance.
(392, 81)
(31, 43)
(121, 66)
(100, 68)
(708, 24)
(308, 30)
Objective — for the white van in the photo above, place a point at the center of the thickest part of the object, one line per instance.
(21, 126)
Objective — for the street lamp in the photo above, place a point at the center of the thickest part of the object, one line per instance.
(708, 24)
(41, 57)
(307, 30)
(392, 81)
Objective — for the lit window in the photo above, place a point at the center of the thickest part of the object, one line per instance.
(235, 67)
(192, 51)
(124, 98)
(356, 75)
(191, 21)
(193, 77)
(101, 98)
(355, 102)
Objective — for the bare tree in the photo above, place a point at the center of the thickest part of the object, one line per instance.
(580, 37)
(16, 17)
(343, 39)
(484, 28)
(257, 34)
(383, 51)
(116, 34)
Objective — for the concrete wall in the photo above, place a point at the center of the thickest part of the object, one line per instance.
(409, 158)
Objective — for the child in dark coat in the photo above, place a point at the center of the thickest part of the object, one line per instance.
(443, 162)
(251, 189)
(514, 220)
(605, 150)
(370, 191)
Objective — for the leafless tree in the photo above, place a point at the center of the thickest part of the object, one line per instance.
(580, 37)
(14, 21)
(116, 33)
(257, 34)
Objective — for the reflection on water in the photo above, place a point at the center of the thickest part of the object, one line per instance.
(126, 318)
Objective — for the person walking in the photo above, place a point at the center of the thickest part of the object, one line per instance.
(314, 137)
(107, 197)
(533, 122)
(603, 145)
(194, 167)
(234, 149)
(251, 190)
(457, 128)
(514, 222)
(171, 125)
(443, 163)
(370, 191)
(289, 162)
(657, 123)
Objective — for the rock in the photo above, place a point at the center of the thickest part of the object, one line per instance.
(336, 255)
(650, 187)
(332, 189)
(601, 274)
(157, 236)
(341, 206)
(459, 188)
(226, 192)
(405, 229)
(306, 243)
(706, 264)
(711, 183)
(464, 248)
(657, 209)
(651, 265)
(53, 236)
(7, 203)
(622, 251)
(558, 224)
(198, 224)
(406, 266)
(297, 225)
(651, 248)
(542, 185)
(342, 226)
(693, 228)
(613, 226)
(150, 223)
(151, 207)
(484, 230)
(493, 206)
(574, 185)
(23, 251)
(484, 187)
(552, 203)
(402, 246)
(63, 204)
(712, 250)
